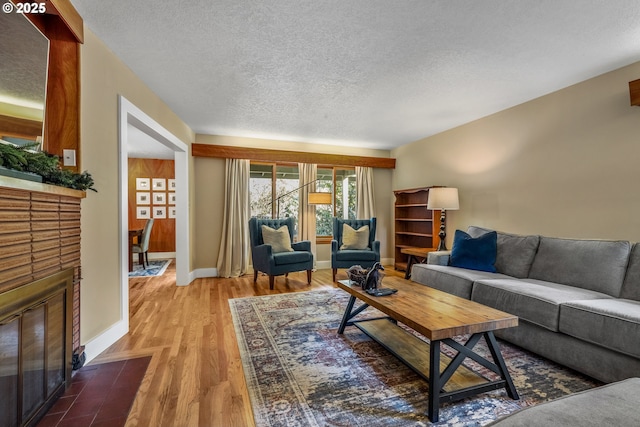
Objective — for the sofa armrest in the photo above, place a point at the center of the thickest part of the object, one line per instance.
(262, 257)
(438, 257)
(304, 246)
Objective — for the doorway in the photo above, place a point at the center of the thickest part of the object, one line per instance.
(130, 115)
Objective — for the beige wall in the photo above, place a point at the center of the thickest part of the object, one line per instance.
(103, 78)
(565, 164)
(209, 194)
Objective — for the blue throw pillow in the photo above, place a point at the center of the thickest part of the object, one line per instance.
(474, 253)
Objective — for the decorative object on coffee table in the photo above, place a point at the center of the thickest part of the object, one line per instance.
(443, 199)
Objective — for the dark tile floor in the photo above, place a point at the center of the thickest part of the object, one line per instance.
(99, 396)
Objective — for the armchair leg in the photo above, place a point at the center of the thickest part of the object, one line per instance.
(271, 281)
(141, 259)
(335, 270)
(309, 276)
(255, 275)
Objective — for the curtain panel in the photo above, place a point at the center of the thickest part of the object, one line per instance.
(233, 258)
(366, 207)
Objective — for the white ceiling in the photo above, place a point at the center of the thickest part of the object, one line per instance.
(373, 73)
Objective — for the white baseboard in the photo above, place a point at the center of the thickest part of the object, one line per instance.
(162, 255)
(199, 273)
(103, 341)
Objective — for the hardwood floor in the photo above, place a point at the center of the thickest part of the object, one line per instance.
(195, 376)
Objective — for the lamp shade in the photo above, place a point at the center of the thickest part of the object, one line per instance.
(443, 198)
(319, 198)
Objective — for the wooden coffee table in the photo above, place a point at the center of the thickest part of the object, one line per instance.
(438, 316)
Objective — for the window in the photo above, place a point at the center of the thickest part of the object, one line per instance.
(273, 194)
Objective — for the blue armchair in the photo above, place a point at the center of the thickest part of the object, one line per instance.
(346, 258)
(277, 264)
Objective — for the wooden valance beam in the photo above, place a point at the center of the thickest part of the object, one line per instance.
(266, 155)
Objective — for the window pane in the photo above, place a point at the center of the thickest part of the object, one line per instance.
(287, 180)
(260, 190)
(324, 213)
(345, 198)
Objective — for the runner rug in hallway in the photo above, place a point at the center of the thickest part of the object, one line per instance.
(300, 372)
(156, 267)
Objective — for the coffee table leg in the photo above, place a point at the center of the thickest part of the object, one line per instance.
(347, 312)
(434, 381)
(494, 348)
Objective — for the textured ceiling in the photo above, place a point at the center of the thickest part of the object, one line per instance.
(374, 73)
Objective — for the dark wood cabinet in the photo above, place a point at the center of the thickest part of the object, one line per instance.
(415, 225)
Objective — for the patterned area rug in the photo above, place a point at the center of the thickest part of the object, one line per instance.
(156, 267)
(300, 372)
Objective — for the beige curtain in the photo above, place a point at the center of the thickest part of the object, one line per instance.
(364, 189)
(233, 258)
(307, 212)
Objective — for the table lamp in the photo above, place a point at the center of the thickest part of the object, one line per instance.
(443, 199)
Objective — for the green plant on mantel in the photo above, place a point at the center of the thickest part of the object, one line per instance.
(23, 158)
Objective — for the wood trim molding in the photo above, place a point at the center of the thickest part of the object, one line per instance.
(69, 15)
(21, 184)
(19, 127)
(265, 155)
(634, 92)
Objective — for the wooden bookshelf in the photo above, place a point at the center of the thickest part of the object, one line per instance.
(415, 225)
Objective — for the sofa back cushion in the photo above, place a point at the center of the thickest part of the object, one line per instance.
(631, 285)
(597, 265)
(514, 253)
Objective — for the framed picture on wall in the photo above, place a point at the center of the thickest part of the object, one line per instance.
(171, 184)
(143, 198)
(159, 184)
(172, 211)
(172, 198)
(159, 198)
(143, 184)
(159, 212)
(143, 212)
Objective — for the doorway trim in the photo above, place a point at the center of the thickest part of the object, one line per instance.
(129, 114)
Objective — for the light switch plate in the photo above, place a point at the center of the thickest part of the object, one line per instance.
(69, 157)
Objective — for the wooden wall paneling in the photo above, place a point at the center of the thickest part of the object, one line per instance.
(70, 256)
(163, 234)
(62, 118)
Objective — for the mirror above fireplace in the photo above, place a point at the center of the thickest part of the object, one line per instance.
(23, 79)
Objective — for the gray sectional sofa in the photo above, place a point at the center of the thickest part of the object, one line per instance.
(578, 300)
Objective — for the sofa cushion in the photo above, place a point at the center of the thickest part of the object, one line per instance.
(477, 253)
(356, 255)
(611, 323)
(597, 265)
(631, 285)
(283, 258)
(533, 300)
(454, 280)
(514, 253)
